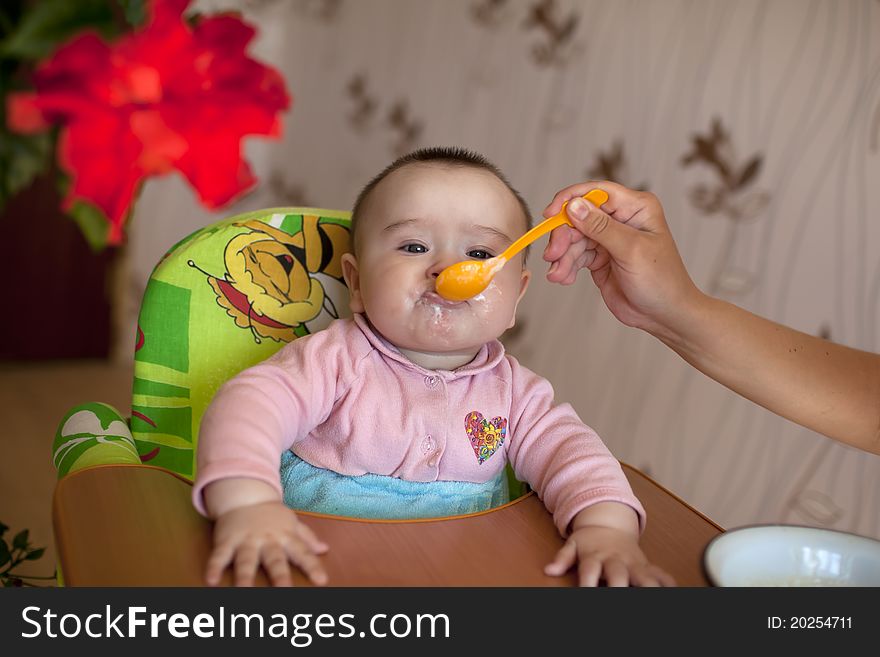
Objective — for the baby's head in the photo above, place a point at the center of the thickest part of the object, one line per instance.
(451, 157)
(424, 212)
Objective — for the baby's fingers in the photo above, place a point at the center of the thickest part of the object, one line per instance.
(616, 573)
(589, 572)
(651, 575)
(563, 560)
(277, 565)
(663, 577)
(315, 544)
(220, 557)
(302, 556)
(246, 563)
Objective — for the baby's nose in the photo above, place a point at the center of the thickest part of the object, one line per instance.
(440, 264)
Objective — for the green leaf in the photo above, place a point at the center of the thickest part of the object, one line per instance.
(20, 542)
(135, 11)
(5, 557)
(33, 555)
(49, 23)
(23, 158)
(93, 223)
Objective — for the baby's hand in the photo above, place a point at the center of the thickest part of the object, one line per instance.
(268, 533)
(612, 555)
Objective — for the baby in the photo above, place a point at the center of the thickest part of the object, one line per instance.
(411, 408)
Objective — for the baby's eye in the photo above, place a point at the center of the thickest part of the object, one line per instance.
(479, 254)
(414, 248)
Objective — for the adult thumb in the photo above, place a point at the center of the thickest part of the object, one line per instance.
(598, 226)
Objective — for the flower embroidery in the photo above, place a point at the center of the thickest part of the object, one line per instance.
(486, 435)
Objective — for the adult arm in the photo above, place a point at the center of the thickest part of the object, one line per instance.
(628, 248)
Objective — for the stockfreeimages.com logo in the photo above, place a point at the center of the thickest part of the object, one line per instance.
(299, 629)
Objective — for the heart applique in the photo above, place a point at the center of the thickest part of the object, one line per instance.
(486, 435)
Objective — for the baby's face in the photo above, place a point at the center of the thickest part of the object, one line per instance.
(419, 220)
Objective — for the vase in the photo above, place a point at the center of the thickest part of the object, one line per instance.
(57, 289)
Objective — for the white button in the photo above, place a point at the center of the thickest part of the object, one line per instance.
(427, 444)
(431, 381)
(433, 462)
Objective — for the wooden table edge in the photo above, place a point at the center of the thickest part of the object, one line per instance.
(639, 473)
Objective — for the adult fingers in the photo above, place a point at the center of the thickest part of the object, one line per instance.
(601, 259)
(561, 239)
(641, 210)
(584, 260)
(579, 189)
(596, 225)
(565, 265)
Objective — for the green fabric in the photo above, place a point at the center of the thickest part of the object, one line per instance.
(220, 301)
(167, 314)
(91, 434)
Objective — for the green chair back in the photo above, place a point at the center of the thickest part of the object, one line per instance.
(221, 300)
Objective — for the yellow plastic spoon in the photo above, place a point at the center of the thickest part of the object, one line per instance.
(467, 279)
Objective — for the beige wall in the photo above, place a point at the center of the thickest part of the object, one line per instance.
(550, 90)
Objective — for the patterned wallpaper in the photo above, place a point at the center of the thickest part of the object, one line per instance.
(756, 122)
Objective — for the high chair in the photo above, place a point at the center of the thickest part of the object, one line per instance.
(221, 300)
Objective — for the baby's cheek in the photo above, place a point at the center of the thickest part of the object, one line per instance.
(492, 304)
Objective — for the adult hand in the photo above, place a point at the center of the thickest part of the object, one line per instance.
(627, 246)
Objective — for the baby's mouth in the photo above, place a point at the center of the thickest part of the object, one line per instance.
(432, 298)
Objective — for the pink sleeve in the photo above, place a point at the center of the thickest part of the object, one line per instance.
(563, 459)
(263, 410)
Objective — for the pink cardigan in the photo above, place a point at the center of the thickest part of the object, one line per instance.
(346, 399)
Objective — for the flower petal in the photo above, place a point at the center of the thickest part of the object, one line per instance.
(23, 114)
(215, 168)
(101, 155)
(168, 95)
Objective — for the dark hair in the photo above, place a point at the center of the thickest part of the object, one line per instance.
(449, 155)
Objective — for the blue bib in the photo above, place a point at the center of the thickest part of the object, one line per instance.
(309, 488)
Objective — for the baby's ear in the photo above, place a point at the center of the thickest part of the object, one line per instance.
(523, 286)
(352, 276)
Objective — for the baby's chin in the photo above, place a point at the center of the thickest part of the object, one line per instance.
(434, 357)
(436, 335)
(439, 329)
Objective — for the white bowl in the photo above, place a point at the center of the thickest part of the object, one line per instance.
(789, 555)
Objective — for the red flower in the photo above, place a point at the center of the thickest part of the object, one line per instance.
(168, 96)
